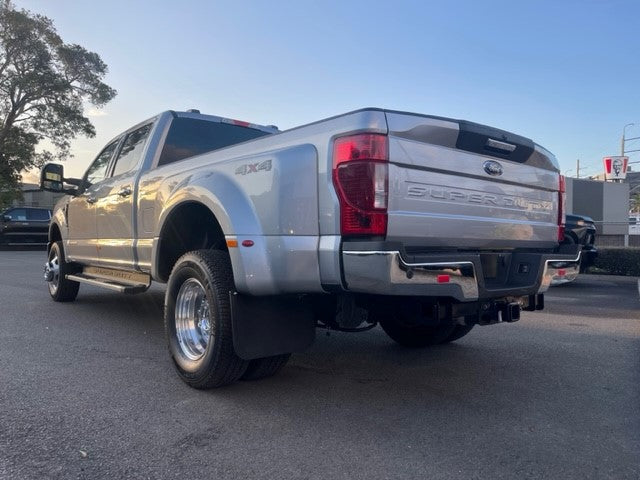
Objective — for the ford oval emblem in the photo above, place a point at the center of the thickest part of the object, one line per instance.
(492, 168)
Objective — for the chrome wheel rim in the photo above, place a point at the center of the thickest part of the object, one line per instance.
(52, 271)
(193, 319)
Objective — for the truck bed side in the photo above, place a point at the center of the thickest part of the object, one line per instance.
(265, 191)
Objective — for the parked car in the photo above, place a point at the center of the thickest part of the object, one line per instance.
(426, 225)
(581, 230)
(28, 225)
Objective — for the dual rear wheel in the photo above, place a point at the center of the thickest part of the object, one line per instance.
(198, 324)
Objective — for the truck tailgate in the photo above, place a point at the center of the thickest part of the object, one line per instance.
(456, 184)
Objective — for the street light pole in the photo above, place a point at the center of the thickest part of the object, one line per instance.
(624, 129)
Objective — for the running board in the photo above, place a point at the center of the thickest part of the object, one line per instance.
(118, 280)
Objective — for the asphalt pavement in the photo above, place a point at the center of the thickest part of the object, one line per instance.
(87, 390)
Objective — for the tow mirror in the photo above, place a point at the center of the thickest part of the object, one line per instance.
(52, 179)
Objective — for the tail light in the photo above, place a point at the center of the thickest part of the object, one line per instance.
(361, 179)
(561, 207)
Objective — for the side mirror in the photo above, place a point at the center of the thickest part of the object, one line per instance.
(52, 179)
(6, 218)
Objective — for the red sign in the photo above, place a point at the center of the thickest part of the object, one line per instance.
(615, 168)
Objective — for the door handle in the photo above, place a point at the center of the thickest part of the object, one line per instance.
(90, 199)
(125, 191)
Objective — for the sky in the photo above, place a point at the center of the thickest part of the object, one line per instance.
(564, 73)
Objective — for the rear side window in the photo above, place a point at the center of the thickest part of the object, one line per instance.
(37, 214)
(131, 152)
(188, 137)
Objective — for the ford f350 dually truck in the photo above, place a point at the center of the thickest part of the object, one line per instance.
(425, 225)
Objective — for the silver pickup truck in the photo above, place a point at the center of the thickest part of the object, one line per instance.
(425, 225)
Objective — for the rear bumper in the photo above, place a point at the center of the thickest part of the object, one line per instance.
(564, 272)
(457, 275)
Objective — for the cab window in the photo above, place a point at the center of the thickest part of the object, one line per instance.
(188, 137)
(132, 148)
(98, 169)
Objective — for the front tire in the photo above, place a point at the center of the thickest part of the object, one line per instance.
(198, 320)
(60, 288)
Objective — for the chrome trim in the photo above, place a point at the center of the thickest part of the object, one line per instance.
(504, 146)
(386, 273)
(552, 266)
(493, 168)
(96, 282)
(112, 284)
(392, 270)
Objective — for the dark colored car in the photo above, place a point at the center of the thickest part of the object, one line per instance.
(24, 225)
(581, 230)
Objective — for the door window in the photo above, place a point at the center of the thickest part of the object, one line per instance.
(18, 214)
(131, 152)
(98, 169)
(38, 214)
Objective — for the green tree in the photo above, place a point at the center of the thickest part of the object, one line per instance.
(635, 202)
(44, 87)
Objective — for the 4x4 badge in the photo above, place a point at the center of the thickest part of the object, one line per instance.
(492, 168)
(253, 167)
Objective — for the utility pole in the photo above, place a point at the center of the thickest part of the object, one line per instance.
(578, 168)
(623, 140)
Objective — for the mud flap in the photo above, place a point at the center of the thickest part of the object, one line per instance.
(272, 325)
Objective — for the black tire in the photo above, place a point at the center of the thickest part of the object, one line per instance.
(265, 367)
(416, 336)
(569, 239)
(458, 332)
(218, 364)
(61, 289)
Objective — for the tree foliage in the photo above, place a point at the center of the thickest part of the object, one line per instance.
(635, 202)
(44, 87)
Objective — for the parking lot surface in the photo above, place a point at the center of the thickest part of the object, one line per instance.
(87, 390)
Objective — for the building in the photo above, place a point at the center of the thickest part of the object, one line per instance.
(32, 196)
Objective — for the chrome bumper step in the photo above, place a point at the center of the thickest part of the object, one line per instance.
(456, 275)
